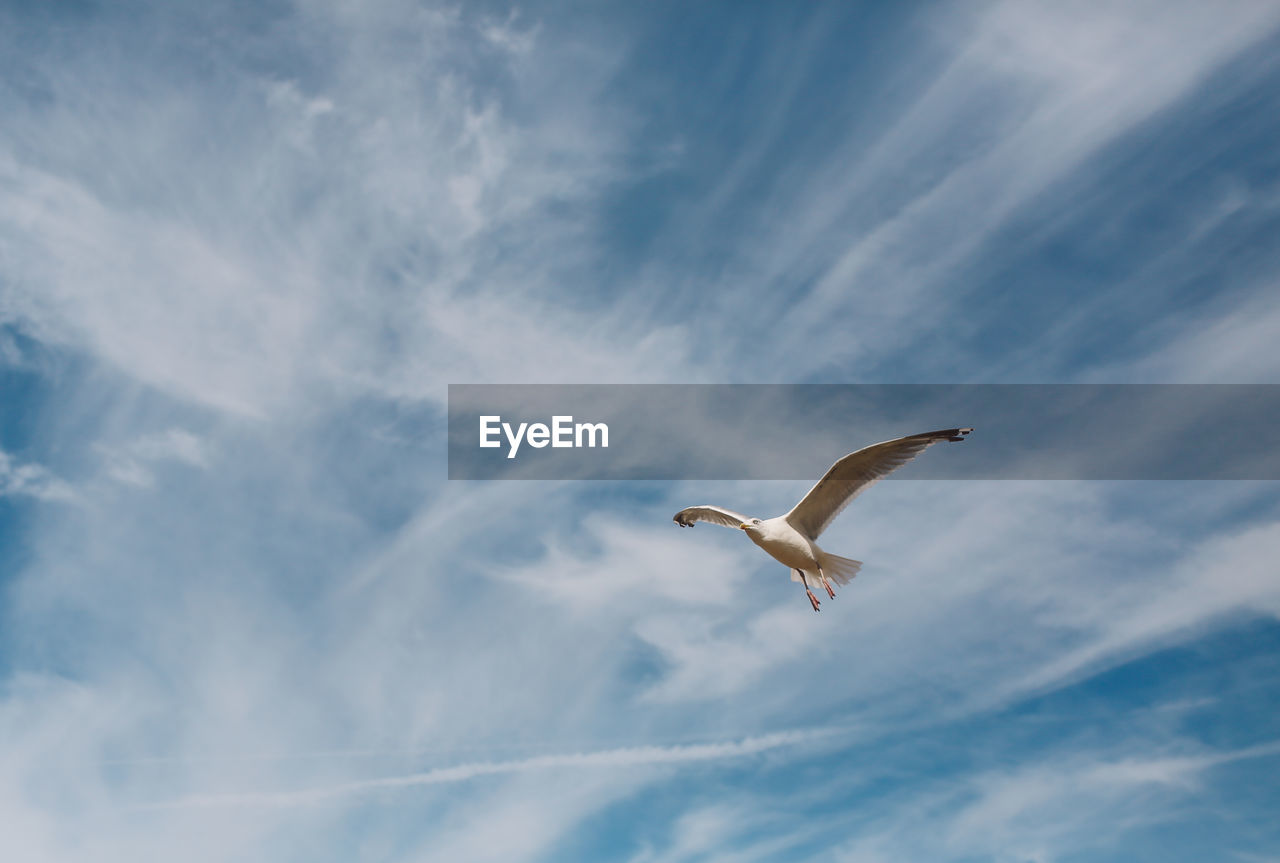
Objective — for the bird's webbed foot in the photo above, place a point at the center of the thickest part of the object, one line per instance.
(812, 599)
(831, 593)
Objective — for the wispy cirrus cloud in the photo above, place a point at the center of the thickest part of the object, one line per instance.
(1047, 810)
(394, 213)
(882, 236)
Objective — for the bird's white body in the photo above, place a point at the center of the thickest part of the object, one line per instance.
(790, 539)
(785, 544)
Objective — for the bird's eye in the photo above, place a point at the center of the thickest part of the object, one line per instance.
(755, 521)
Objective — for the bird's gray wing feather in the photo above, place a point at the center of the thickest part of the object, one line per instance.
(714, 514)
(855, 473)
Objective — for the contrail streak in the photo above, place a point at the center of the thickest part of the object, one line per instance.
(634, 756)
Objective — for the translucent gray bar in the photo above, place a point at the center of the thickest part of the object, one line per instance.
(795, 431)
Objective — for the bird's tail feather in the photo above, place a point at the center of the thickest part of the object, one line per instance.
(839, 569)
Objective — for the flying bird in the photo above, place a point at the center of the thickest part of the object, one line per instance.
(791, 539)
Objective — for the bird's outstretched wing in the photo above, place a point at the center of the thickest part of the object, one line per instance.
(713, 514)
(855, 473)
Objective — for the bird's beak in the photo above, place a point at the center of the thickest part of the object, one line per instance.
(743, 526)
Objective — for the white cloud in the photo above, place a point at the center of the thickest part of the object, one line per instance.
(638, 563)
(525, 819)
(1043, 811)
(877, 235)
(360, 237)
(1227, 574)
(10, 353)
(31, 480)
(711, 659)
(1232, 347)
(700, 834)
(130, 463)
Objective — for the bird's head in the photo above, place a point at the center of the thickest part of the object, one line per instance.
(750, 525)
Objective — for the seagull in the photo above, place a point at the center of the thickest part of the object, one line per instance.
(791, 539)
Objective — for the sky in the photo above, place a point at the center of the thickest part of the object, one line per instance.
(246, 247)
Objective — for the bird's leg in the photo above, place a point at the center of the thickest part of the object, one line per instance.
(804, 579)
(831, 593)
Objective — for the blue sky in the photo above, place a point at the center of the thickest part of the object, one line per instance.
(244, 247)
